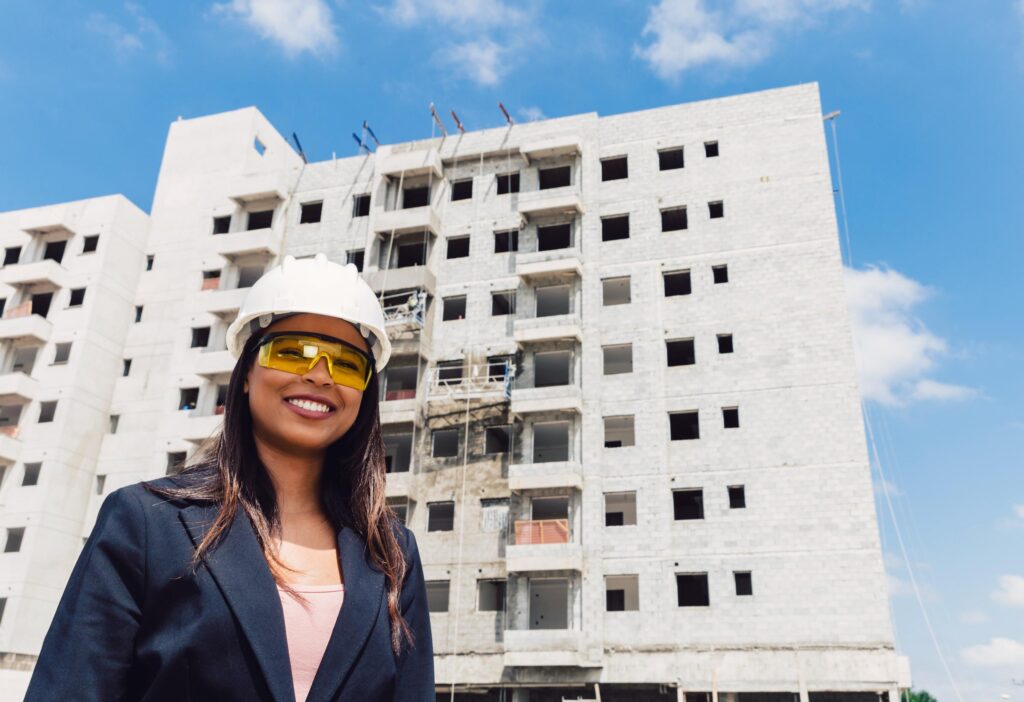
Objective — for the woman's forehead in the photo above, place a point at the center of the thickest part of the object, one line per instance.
(320, 324)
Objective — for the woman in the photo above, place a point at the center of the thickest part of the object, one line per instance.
(270, 568)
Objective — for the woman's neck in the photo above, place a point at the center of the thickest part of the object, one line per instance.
(296, 478)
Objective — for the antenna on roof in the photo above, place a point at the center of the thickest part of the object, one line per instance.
(440, 124)
(298, 145)
(458, 122)
(508, 117)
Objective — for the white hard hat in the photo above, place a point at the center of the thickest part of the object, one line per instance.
(315, 286)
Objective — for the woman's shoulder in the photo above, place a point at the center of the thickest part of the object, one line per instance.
(169, 493)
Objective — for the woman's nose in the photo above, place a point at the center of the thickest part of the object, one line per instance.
(319, 373)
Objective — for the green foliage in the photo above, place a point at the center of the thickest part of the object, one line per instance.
(917, 696)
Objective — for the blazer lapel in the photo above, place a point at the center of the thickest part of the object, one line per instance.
(364, 593)
(241, 572)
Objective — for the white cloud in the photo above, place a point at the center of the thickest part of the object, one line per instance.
(973, 616)
(686, 34)
(481, 60)
(998, 653)
(1019, 509)
(459, 13)
(895, 351)
(531, 114)
(1010, 591)
(886, 486)
(137, 33)
(295, 25)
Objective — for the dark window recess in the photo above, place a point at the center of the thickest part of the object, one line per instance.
(492, 596)
(222, 225)
(720, 274)
(744, 584)
(615, 168)
(710, 149)
(503, 303)
(725, 343)
(496, 440)
(688, 504)
(31, 474)
(126, 367)
(670, 159)
(449, 372)
(498, 366)
(440, 516)
(437, 595)
(3, 604)
(677, 283)
(356, 257)
(138, 313)
(200, 337)
(614, 518)
(187, 398)
(311, 212)
(458, 247)
(673, 220)
(175, 461)
(615, 600)
(716, 210)
(77, 297)
(462, 189)
(680, 352)
(554, 177)
(508, 183)
(737, 497)
(684, 425)
(12, 255)
(260, 220)
(445, 443)
(412, 254)
(506, 241)
(47, 410)
(41, 303)
(415, 197)
(614, 228)
(692, 590)
(14, 538)
(731, 417)
(453, 308)
(149, 262)
(556, 236)
(62, 352)
(360, 205)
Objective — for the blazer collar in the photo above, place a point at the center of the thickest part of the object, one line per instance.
(244, 579)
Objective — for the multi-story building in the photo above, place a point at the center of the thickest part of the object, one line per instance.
(622, 416)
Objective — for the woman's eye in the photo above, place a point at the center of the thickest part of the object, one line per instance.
(347, 365)
(289, 353)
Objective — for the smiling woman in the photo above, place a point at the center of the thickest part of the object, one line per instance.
(271, 569)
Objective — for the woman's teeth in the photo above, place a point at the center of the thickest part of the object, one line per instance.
(310, 405)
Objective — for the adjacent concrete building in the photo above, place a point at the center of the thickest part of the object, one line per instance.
(622, 416)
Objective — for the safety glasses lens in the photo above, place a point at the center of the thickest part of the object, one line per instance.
(299, 354)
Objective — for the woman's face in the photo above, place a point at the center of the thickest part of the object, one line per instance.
(287, 426)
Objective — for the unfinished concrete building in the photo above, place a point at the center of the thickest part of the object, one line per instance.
(622, 416)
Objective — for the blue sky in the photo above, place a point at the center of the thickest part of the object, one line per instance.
(930, 134)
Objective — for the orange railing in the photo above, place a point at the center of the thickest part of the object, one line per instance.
(10, 430)
(211, 283)
(542, 531)
(22, 310)
(400, 395)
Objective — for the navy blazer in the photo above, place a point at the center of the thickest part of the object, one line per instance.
(135, 623)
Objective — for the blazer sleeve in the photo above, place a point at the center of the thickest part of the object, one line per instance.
(87, 653)
(415, 676)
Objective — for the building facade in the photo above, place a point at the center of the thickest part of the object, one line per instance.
(622, 416)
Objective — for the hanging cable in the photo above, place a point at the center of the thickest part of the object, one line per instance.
(831, 119)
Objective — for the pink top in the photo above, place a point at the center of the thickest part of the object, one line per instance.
(308, 626)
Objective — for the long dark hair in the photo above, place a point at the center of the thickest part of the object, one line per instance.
(227, 471)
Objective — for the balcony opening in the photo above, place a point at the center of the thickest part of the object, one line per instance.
(222, 225)
(62, 353)
(356, 258)
(222, 398)
(506, 241)
(744, 583)
(453, 308)
(508, 183)
(11, 255)
(499, 366)
(397, 451)
(618, 359)
(24, 359)
(725, 343)
(9, 416)
(188, 398)
(688, 504)
(615, 168)
(670, 159)
(444, 443)
(77, 297)
(30, 476)
(692, 590)
(622, 593)
(737, 497)
(491, 595)
(615, 291)
(449, 372)
(680, 352)
(620, 509)
(262, 219)
(497, 440)
(54, 250)
(549, 603)
(462, 189)
(417, 196)
(400, 506)
(400, 379)
(554, 236)
(15, 535)
(311, 212)
(503, 303)
(175, 461)
(684, 425)
(248, 275)
(440, 516)
(404, 251)
(557, 177)
(211, 280)
(437, 596)
(716, 210)
(200, 337)
(720, 274)
(361, 205)
(458, 247)
(673, 219)
(677, 283)
(551, 368)
(550, 444)
(615, 228)
(731, 417)
(552, 300)
(710, 149)
(41, 303)
(618, 432)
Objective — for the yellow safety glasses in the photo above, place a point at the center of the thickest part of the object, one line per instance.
(298, 352)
